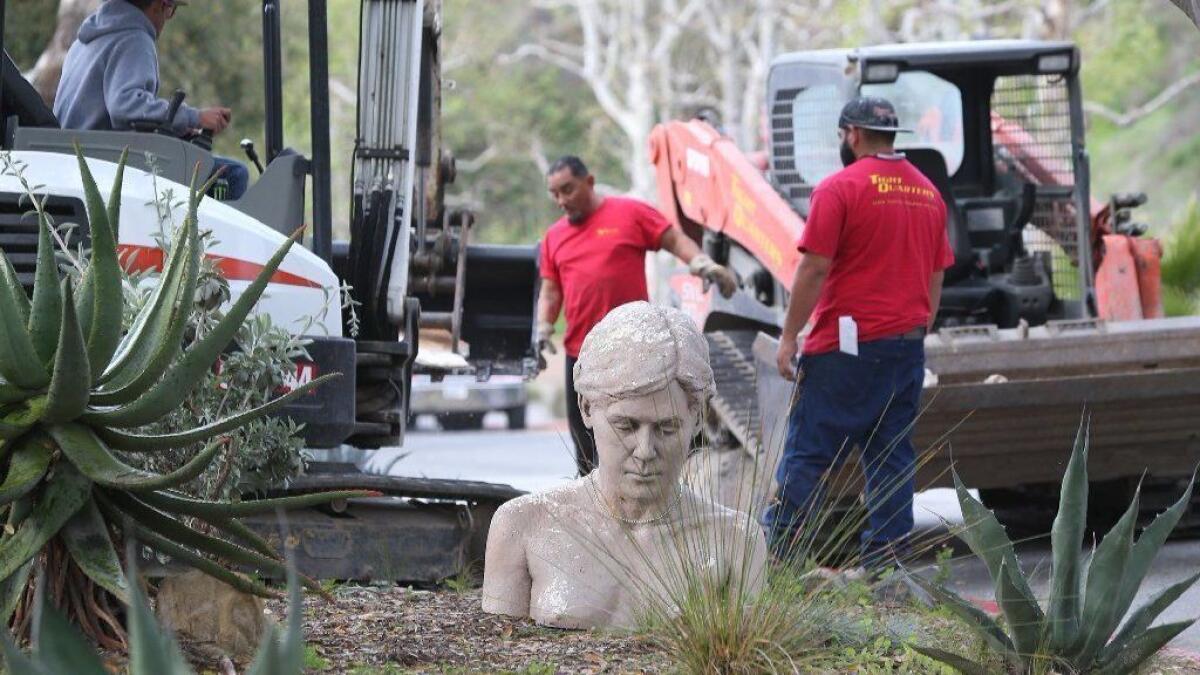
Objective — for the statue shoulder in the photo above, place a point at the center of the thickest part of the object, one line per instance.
(532, 508)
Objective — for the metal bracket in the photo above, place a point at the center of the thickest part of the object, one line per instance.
(1055, 328)
(397, 153)
(954, 333)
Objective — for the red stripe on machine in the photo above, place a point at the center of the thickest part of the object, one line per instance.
(136, 258)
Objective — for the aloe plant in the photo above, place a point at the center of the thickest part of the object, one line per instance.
(74, 388)
(60, 648)
(1077, 629)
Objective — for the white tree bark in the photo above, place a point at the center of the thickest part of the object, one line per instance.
(46, 71)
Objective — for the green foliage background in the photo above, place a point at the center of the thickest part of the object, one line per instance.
(1131, 50)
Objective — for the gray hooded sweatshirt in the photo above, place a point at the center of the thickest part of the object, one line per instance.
(110, 76)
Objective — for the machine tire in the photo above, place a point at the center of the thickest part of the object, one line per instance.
(516, 417)
(461, 421)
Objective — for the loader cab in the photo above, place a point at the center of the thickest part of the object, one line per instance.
(997, 128)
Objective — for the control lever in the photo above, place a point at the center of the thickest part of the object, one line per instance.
(248, 148)
(173, 109)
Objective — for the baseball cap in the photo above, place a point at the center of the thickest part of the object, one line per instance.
(870, 112)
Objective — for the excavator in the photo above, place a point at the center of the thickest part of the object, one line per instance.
(409, 266)
(1051, 311)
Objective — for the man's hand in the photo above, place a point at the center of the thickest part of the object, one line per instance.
(215, 119)
(712, 273)
(545, 343)
(785, 359)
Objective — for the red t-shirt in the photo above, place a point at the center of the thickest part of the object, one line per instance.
(601, 262)
(883, 224)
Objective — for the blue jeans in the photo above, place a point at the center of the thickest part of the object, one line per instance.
(236, 177)
(869, 401)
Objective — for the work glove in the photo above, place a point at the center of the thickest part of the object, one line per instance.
(545, 343)
(704, 267)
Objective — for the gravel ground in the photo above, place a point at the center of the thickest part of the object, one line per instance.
(392, 630)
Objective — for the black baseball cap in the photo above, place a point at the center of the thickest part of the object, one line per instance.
(870, 112)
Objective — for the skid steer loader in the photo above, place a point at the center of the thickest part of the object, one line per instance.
(1051, 308)
(409, 263)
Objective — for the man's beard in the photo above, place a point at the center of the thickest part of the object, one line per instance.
(847, 154)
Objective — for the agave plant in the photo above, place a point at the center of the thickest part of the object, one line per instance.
(74, 388)
(1077, 630)
(60, 648)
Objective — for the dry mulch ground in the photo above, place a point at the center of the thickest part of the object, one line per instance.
(397, 630)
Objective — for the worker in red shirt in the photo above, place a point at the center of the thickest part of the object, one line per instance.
(593, 259)
(874, 248)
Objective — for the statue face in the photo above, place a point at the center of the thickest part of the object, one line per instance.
(642, 441)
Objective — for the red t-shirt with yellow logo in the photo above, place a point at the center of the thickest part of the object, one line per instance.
(884, 226)
(601, 262)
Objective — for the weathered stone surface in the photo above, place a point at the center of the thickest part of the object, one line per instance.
(210, 612)
(629, 539)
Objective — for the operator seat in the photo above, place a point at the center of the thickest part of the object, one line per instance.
(967, 295)
(931, 163)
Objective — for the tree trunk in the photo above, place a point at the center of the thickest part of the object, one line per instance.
(48, 69)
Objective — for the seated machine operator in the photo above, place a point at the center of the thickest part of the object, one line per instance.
(110, 80)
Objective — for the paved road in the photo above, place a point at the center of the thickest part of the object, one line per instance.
(533, 460)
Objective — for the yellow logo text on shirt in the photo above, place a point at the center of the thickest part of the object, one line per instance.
(896, 184)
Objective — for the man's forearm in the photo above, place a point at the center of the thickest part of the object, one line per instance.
(549, 305)
(680, 245)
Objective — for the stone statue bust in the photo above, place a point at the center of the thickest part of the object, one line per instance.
(598, 550)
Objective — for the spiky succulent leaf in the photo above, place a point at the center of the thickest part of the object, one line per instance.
(182, 534)
(15, 662)
(19, 361)
(85, 301)
(11, 590)
(61, 649)
(105, 270)
(10, 283)
(64, 494)
(170, 391)
(30, 461)
(250, 538)
(284, 654)
(151, 650)
(1141, 648)
(1150, 543)
(1066, 537)
(128, 442)
(986, 537)
(18, 418)
(1145, 615)
(154, 339)
(189, 557)
(978, 620)
(89, 454)
(1101, 611)
(11, 393)
(174, 502)
(1020, 609)
(67, 397)
(114, 196)
(91, 547)
(960, 663)
(46, 311)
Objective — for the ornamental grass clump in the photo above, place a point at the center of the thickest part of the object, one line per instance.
(1077, 630)
(74, 389)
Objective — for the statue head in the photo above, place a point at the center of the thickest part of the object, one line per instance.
(643, 378)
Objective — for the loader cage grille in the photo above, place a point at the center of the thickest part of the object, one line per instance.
(19, 233)
(1032, 141)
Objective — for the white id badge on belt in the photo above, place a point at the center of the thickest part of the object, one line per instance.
(848, 335)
